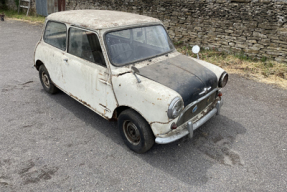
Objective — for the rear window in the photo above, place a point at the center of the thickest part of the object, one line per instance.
(55, 34)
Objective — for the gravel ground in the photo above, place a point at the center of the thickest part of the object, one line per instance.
(53, 143)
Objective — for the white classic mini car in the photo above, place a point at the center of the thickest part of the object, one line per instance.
(124, 66)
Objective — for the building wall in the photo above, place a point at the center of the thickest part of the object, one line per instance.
(257, 27)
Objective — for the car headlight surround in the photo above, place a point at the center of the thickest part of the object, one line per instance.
(175, 108)
(223, 79)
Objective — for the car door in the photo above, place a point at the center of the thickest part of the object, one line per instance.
(53, 50)
(85, 74)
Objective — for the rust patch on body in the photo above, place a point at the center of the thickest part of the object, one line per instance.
(85, 103)
(120, 74)
(81, 101)
(102, 105)
(161, 122)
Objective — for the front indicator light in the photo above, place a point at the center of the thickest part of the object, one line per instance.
(173, 126)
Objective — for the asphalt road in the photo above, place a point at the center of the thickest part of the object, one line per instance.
(53, 143)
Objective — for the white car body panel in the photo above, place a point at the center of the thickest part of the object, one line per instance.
(215, 69)
(103, 89)
(84, 81)
(148, 98)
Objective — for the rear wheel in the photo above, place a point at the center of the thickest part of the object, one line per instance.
(46, 80)
(135, 131)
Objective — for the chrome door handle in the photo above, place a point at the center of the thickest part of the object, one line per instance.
(66, 60)
(104, 82)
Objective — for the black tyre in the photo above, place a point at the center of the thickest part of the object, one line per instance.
(135, 131)
(46, 80)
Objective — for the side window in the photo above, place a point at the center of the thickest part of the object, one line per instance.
(55, 34)
(86, 45)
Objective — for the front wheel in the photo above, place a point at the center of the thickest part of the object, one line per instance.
(135, 131)
(46, 80)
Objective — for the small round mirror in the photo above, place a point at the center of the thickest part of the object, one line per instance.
(195, 49)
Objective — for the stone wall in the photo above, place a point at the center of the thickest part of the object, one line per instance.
(256, 27)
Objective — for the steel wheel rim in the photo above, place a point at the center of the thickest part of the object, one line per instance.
(45, 80)
(131, 132)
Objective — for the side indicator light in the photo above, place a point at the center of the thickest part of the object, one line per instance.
(173, 126)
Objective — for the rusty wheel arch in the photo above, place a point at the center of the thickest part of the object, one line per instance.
(118, 111)
(38, 64)
(122, 108)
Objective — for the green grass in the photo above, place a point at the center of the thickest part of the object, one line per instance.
(22, 16)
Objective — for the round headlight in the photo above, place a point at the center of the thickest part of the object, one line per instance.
(175, 107)
(223, 79)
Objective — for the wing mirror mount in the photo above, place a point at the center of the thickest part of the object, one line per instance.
(135, 72)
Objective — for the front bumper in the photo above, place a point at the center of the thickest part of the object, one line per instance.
(188, 127)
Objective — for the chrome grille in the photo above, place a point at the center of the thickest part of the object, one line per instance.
(201, 105)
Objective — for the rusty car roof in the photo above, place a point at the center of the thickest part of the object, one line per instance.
(100, 19)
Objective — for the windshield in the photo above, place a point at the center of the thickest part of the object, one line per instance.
(130, 45)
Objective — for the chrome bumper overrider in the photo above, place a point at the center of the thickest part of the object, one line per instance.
(190, 127)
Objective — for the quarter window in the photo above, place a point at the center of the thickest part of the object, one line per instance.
(86, 45)
(55, 35)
